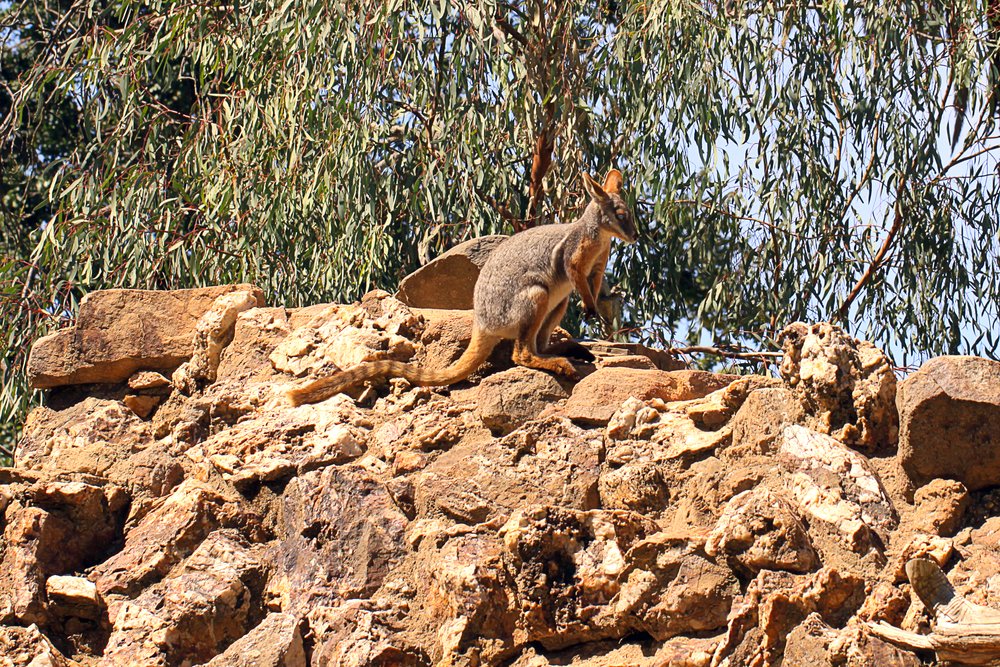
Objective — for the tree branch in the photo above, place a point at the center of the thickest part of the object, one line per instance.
(541, 159)
(879, 258)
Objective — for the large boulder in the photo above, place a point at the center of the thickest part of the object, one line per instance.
(341, 336)
(758, 425)
(949, 414)
(272, 447)
(119, 332)
(449, 280)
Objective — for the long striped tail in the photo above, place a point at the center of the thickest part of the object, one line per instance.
(479, 349)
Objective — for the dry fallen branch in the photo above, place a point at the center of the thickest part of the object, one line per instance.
(729, 353)
(963, 632)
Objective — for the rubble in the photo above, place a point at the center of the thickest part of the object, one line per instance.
(645, 515)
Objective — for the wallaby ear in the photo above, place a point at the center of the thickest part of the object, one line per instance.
(593, 188)
(613, 182)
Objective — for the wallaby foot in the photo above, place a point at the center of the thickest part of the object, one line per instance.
(558, 365)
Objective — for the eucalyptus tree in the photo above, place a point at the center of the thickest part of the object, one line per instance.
(831, 160)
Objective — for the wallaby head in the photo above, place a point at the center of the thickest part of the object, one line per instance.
(612, 212)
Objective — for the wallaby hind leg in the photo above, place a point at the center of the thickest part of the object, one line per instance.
(565, 348)
(526, 346)
(552, 320)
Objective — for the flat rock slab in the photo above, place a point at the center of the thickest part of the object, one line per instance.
(632, 355)
(949, 421)
(599, 395)
(121, 331)
(449, 280)
(275, 642)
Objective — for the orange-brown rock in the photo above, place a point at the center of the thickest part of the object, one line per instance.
(28, 647)
(508, 399)
(119, 332)
(758, 425)
(950, 420)
(163, 537)
(638, 486)
(448, 281)
(940, 506)
(211, 600)
(474, 524)
(274, 642)
(599, 395)
(344, 519)
(760, 530)
(776, 602)
(91, 437)
(836, 485)
(815, 643)
(847, 386)
(548, 462)
(53, 528)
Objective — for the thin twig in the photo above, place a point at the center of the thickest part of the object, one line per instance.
(736, 216)
(721, 352)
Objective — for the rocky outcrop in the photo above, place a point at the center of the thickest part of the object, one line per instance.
(645, 515)
(847, 386)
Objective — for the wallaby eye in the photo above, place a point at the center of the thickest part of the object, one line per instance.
(621, 214)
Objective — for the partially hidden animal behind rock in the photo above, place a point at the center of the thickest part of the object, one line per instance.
(521, 295)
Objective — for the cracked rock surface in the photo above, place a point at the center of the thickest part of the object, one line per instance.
(646, 515)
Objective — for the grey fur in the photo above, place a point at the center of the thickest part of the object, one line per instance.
(521, 294)
(539, 259)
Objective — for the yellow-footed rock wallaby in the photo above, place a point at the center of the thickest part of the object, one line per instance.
(521, 294)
